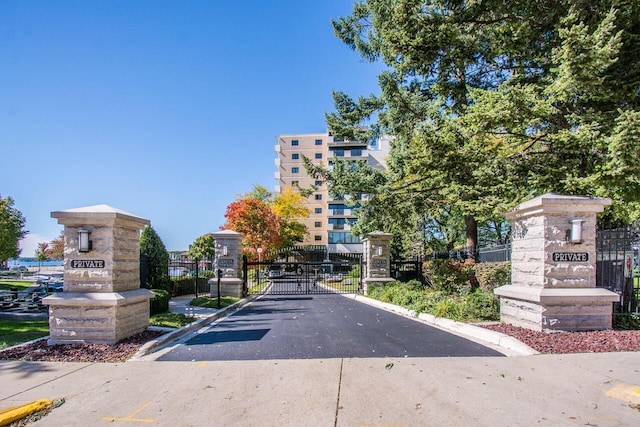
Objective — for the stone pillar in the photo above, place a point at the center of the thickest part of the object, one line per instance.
(553, 269)
(377, 259)
(102, 301)
(229, 260)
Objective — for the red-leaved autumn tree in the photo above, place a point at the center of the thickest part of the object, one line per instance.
(258, 223)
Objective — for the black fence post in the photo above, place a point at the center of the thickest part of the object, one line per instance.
(219, 274)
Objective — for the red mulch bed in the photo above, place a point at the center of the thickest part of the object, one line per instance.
(572, 342)
(108, 353)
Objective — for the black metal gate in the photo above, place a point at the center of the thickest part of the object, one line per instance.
(338, 273)
(406, 270)
(617, 265)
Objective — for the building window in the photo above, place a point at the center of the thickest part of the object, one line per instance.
(295, 183)
(318, 183)
(318, 142)
(294, 142)
(295, 156)
(318, 155)
(339, 152)
(343, 237)
(318, 224)
(318, 196)
(295, 170)
(317, 238)
(356, 152)
(318, 210)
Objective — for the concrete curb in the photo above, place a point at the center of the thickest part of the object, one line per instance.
(162, 341)
(458, 328)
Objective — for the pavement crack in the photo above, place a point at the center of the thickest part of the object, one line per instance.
(335, 423)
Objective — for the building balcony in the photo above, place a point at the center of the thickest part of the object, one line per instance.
(277, 148)
(277, 162)
(276, 175)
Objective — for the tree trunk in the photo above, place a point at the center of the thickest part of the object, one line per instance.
(472, 233)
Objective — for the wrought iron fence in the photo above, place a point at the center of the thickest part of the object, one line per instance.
(617, 266)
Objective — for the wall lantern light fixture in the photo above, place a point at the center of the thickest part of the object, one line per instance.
(225, 251)
(574, 235)
(84, 244)
(379, 250)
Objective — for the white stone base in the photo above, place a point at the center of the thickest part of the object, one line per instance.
(228, 287)
(97, 317)
(565, 309)
(374, 281)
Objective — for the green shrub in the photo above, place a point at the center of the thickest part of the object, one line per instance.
(493, 274)
(160, 302)
(482, 305)
(449, 275)
(626, 321)
(205, 274)
(463, 305)
(449, 308)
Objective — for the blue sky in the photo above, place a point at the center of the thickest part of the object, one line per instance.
(164, 109)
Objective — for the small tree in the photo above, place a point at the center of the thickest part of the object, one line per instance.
(153, 248)
(258, 223)
(11, 229)
(42, 253)
(204, 247)
(56, 247)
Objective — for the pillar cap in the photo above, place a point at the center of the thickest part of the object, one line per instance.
(97, 212)
(229, 234)
(553, 203)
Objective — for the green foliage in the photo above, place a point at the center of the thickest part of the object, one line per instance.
(11, 229)
(160, 302)
(204, 247)
(449, 275)
(170, 320)
(14, 332)
(628, 321)
(205, 274)
(490, 103)
(482, 305)
(493, 274)
(472, 306)
(208, 302)
(153, 248)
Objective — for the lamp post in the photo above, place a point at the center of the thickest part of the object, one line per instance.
(259, 266)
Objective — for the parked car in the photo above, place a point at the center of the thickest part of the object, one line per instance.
(275, 271)
(179, 271)
(18, 269)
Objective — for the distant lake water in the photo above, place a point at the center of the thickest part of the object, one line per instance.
(32, 262)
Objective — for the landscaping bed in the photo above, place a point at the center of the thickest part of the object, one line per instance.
(40, 351)
(572, 342)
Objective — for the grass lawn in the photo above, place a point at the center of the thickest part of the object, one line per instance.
(213, 302)
(20, 284)
(14, 332)
(170, 320)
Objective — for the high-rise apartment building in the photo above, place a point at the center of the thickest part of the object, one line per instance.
(329, 222)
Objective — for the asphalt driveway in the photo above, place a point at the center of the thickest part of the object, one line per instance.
(318, 327)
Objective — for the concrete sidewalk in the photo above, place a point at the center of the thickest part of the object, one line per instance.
(554, 390)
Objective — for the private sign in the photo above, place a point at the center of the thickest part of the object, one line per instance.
(87, 263)
(570, 257)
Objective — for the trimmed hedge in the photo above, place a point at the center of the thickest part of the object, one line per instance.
(160, 302)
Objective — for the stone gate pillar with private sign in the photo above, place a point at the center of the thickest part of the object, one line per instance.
(229, 263)
(102, 301)
(377, 259)
(553, 266)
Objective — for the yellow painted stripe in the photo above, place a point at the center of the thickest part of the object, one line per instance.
(627, 393)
